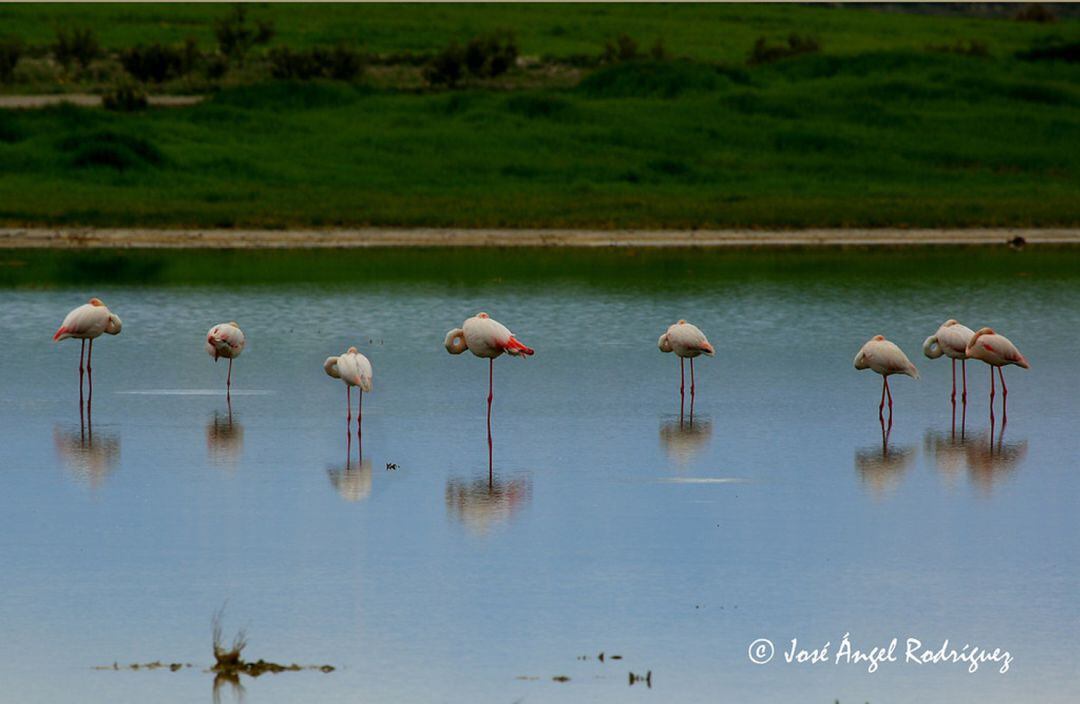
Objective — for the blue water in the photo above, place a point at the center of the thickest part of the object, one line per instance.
(609, 528)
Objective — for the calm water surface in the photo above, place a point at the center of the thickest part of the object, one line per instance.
(778, 514)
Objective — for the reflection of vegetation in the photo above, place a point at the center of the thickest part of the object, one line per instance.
(656, 268)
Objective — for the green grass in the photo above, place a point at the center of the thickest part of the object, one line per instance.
(718, 32)
(874, 131)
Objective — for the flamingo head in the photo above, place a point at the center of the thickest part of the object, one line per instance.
(682, 321)
(114, 325)
(949, 323)
(351, 350)
(455, 341)
(878, 338)
(483, 316)
(96, 302)
(233, 323)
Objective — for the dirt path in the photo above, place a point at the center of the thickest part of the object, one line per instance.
(87, 100)
(73, 238)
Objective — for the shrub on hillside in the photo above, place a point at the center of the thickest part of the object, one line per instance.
(491, 55)
(76, 45)
(446, 68)
(1035, 12)
(10, 52)
(340, 63)
(125, 96)
(1069, 53)
(112, 150)
(663, 79)
(765, 53)
(622, 48)
(236, 36)
(158, 62)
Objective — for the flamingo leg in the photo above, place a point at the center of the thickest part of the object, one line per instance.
(889, 391)
(692, 390)
(89, 377)
(682, 386)
(360, 415)
(348, 408)
(992, 394)
(963, 369)
(228, 379)
(82, 355)
(953, 398)
(881, 406)
(1004, 398)
(491, 395)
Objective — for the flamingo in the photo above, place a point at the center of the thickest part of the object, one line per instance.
(88, 322)
(997, 351)
(354, 369)
(885, 358)
(486, 338)
(686, 341)
(225, 340)
(951, 340)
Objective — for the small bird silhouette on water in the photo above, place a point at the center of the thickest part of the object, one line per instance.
(391, 466)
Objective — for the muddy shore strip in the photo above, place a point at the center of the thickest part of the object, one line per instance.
(139, 238)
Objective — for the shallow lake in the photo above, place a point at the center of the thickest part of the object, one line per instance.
(608, 527)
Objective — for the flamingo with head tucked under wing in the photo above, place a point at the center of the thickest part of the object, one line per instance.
(997, 351)
(225, 340)
(354, 369)
(486, 338)
(88, 322)
(885, 358)
(687, 342)
(951, 340)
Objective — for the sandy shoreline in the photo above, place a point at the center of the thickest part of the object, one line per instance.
(89, 238)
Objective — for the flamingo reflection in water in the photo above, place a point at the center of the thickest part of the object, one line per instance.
(90, 459)
(986, 457)
(481, 505)
(883, 468)
(683, 441)
(353, 482)
(224, 437)
(486, 338)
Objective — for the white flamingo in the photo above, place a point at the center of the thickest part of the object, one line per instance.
(686, 341)
(225, 340)
(951, 340)
(486, 338)
(885, 358)
(88, 322)
(354, 369)
(997, 351)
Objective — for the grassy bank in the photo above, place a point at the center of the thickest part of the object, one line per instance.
(880, 127)
(540, 268)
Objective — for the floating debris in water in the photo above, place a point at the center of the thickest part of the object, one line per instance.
(560, 678)
(156, 665)
(229, 663)
(390, 466)
(646, 678)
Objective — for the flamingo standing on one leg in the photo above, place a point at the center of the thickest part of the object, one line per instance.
(997, 351)
(686, 341)
(84, 323)
(885, 358)
(487, 338)
(951, 340)
(354, 369)
(225, 340)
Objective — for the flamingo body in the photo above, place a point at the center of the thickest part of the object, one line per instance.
(951, 340)
(885, 358)
(996, 350)
(484, 337)
(224, 340)
(88, 321)
(685, 340)
(352, 368)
